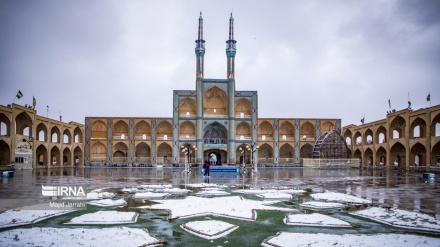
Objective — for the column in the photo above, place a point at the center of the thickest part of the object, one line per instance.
(153, 141)
(297, 148)
(199, 121)
(231, 115)
(175, 127)
(131, 141)
(276, 139)
(109, 140)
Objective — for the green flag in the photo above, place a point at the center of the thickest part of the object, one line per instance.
(19, 94)
(429, 97)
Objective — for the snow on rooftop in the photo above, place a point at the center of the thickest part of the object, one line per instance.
(209, 229)
(339, 197)
(108, 202)
(102, 237)
(401, 218)
(10, 218)
(104, 218)
(321, 205)
(228, 206)
(289, 239)
(315, 219)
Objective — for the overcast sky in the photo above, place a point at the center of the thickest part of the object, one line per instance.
(306, 59)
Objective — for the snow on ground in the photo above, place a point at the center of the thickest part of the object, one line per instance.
(229, 206)
(102, 237)
(205, 185)
(99, 195)
(275, 195)
(215, 192)
(175, 191)
(401, 218)
(263, 191)
(289, 239)
(149, 195)
(108, 202)
(339, 197)
(156, 186)
(104, 218)
(321, 205)
(315, 219)
(131, 190)
(209, 229)
(11, 218)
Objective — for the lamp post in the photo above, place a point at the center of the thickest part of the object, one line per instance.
(252, 147)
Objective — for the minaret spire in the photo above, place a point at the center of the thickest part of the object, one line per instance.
(200, 49)
(231, 50)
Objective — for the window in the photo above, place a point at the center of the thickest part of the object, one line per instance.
(284, 137)
(263, 138)
(165, 137)
(242, 115)
(123, 136)
(187, 114)
(144, 136)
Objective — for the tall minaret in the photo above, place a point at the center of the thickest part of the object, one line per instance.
(200, 49)
(231, 50)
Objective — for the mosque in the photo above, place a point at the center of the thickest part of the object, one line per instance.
(216, 119)
(212, 119)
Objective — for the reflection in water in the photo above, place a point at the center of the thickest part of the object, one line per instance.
(405, 190)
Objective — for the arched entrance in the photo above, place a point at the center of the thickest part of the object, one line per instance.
(219, 153)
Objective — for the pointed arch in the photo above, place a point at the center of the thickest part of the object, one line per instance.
(77, 135)
(215, 102)
(187, 130)
(165, 152)
(120, 130)
(55, 135)
(5, 125)
(55, 159)
(368, 157)
(287, 153)
(287, 131)
(435, 154)
(381, 135)
(265, 154)
(306, 151)
(435, 126)
(67, 137)
(381, 157)
(327, 126)
(42, 132)
(215, 131)
(23, 124)
(187, 107)
(417, 155)
(307, 131)
(418, 128)
(243, 108)
(67, 157)
(368, 137)
(357, 138)
(397, 153)
(265, 131)
(347, 137)
(142, 130)
(243, 131)
(41, 155)
(143, 153)
(5, 153)
(164, 130)
(78, 157)
(99, 130)
(397, 126)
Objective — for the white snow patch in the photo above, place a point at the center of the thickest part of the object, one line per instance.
(209, 229)
(315, 219)
(289, 239)
(401, 218)
(156, 186)
(104, 218)
(229, 206)
(99, 195)
(11, 218)
(204, 185)
(212, 193)
(262, 191)
(148, 195)
(102, 237)
(108, 202)
(175, 191)
(321, 205)
(339, 197)
(275, 195)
